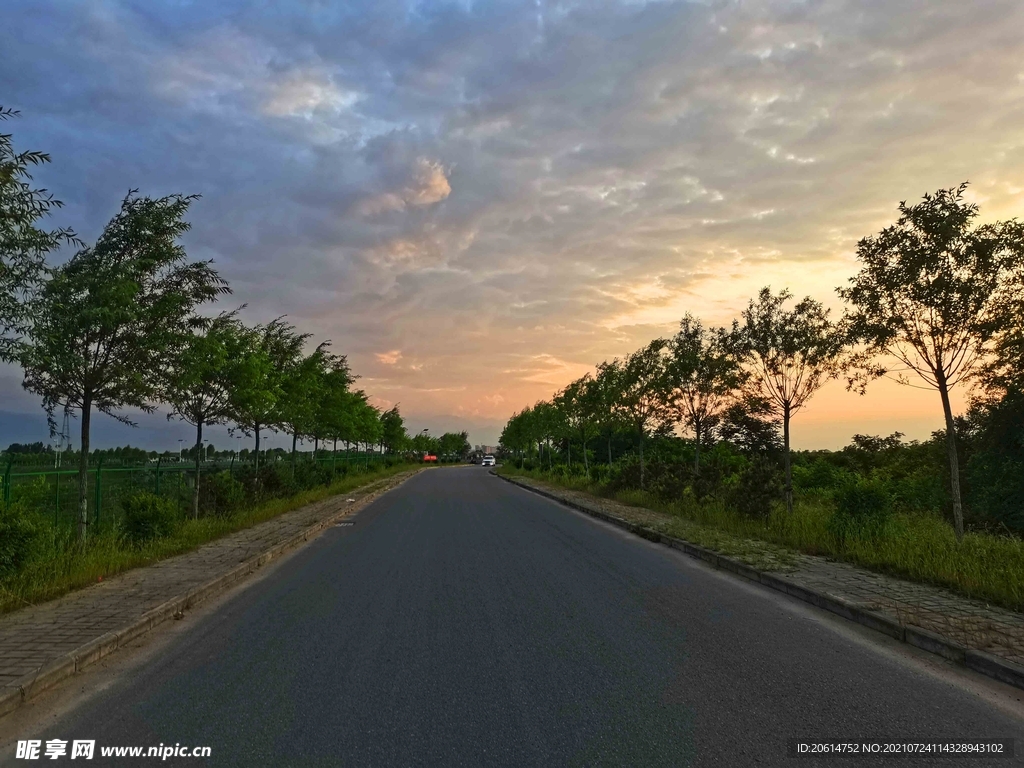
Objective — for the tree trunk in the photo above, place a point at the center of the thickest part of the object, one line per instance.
(256, 458)
(568, 452)
(83, 472)
(954, 461)
(316, 446)
(609, 449)
(195, 491)
(789, 466)
(586, 464)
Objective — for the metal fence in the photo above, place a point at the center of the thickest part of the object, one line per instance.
(53, 492)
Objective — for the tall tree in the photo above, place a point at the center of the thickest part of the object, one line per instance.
(541, 426)
(703, 376)
(276, 349)
(927, 296)
(106, 323)
(790, 354)
(252, 407)
(455, 444)
(393, 430)
(609, 420)
(641, 384)
(579, 405)
(302, 387)
(334, 401)
(23, 245)
(207, 367)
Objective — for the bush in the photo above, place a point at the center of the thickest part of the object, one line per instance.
(221, 494)
(18, 535)
(148, 516)
(275, 479)
(758, 486)
(863, 508)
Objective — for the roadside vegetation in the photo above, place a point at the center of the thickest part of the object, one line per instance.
(40, 561)
(130, 323)
(698, 426)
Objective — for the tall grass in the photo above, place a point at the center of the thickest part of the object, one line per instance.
(916, 546)
(58, 564)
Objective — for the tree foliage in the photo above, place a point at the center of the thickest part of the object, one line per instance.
(106, 324)
(789, 355)
(23, 244)
(703, 374)
(928, 296)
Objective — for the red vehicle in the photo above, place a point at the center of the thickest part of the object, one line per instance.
(429, 457)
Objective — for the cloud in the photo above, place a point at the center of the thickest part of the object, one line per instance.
(511, 193)
(428, 185)
(389, 358)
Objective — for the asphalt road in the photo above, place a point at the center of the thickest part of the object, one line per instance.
(463, 621)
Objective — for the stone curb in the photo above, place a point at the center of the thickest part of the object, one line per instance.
(978, 661)
(31, 685)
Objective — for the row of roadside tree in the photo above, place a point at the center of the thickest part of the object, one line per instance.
(129, 323)
(938, 303)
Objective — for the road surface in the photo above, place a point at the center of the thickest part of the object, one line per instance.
(464, 621)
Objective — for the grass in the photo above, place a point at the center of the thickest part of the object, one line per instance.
(917, 547)
(58, 565)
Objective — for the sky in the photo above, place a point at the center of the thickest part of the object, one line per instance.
(479, 201)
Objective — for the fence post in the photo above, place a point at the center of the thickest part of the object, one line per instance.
(99, 491)
(231, 469)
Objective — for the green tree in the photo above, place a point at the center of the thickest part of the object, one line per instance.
(206, 369)
(579, 405)
(928, 297)
(393, 430)
(23, 245)
(334, 403)
(541, 425)
(253, 406)
(454, 444)
(275, 349)
(641, 382)
(105, 325)
(790, 354)
(703, 376)
(609, 420)
(302, 387)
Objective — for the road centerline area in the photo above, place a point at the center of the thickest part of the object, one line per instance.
(463, 621)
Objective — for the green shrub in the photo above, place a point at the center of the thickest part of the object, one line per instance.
(275, 479)
(37, 494)
(758, 486)
(18, 534)
(221, 494)
(863, 507)
(147, 516)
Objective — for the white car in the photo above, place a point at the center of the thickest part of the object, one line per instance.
(487, 461)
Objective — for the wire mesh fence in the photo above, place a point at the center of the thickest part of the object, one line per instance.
(53, 492)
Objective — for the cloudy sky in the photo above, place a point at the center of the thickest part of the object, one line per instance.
(478, 201)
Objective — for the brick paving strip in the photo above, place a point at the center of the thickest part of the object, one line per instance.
(985, 638)
(43, 644)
